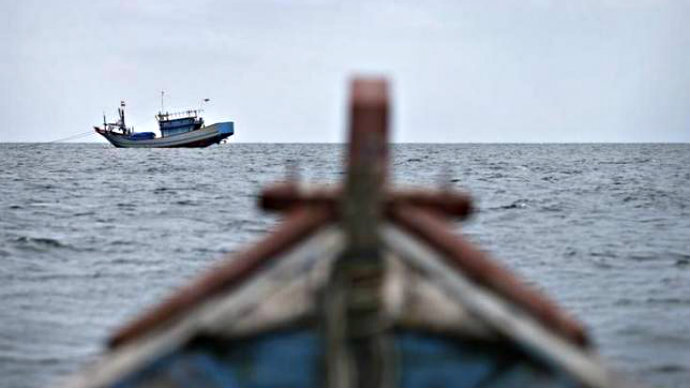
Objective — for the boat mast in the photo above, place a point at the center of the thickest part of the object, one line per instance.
(121, 111)
(162, 94)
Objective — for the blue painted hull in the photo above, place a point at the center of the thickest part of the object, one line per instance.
(293, 359)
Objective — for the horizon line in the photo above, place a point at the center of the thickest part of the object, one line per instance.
(399, 142)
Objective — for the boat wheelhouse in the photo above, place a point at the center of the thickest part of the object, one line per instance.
(177, 123)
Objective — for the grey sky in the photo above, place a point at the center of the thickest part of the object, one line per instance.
(512, 71)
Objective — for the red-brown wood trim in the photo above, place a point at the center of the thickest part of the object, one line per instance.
(288, 195)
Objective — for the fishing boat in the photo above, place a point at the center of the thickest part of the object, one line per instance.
(177, 129)
(361, 285)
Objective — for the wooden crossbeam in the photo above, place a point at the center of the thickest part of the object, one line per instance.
(287, 196)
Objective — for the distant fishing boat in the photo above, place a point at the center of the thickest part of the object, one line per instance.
(362, 285)
(178, 129)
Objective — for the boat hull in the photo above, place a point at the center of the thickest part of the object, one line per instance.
(203, 137)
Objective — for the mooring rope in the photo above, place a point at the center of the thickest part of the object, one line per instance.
(72, 137)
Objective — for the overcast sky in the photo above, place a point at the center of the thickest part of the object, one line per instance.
(462, 71)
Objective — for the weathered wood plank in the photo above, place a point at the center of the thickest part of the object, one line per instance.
(358, 348)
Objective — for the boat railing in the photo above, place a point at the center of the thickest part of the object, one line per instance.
(192, 113)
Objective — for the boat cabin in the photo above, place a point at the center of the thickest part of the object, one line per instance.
(171, 124)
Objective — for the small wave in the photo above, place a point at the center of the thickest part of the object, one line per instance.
(519, 204)
(601, 264)
(83, 214)
(120, 242)
(126, 261)
(47, 277)
(680, 255)
(161, 190)
(670, 368)
(629, 161)
(606, 254)
(643, 257)
(552, 208)
(497, 166)
(624, 302)
(45, 186)
(680, 301)
(491, 178)
(570, 252)
(39, 242)
(33, 360)
(414, 160)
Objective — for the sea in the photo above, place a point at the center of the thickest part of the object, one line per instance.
(91, 235)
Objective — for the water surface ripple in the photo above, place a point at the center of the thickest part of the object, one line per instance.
(90, 235)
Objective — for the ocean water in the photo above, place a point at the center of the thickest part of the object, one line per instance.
(90, 235)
